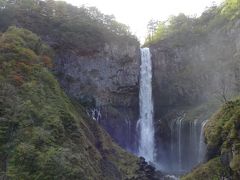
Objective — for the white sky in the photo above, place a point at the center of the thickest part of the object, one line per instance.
(137, 13)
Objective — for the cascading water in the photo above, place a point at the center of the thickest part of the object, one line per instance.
(180, 144)
(187, 148)
(202, 145)
(95, 114)
(145, 123)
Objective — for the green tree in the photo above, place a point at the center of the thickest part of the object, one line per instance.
(231, 8)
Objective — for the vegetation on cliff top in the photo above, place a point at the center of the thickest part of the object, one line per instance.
(43, 135)
(184, 27)
(200, 56)
(84, 30)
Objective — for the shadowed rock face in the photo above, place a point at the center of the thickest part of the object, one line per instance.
(97, 59)
(109, 77)
(188, 73)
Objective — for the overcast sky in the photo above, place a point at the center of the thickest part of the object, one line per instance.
(137, 13)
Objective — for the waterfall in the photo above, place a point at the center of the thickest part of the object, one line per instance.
(172, 128)
(95, 114)
(187, 148)
(202, 145)
(145, 123)
(180, 144)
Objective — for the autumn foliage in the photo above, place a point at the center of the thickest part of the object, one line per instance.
(18, 79)
(21, 52)
(47, 61)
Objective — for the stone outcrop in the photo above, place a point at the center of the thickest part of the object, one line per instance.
(147, 171)
(109, 79)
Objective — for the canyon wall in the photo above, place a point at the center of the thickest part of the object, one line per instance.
(106, 81)
(97, 59)
(46, 135)
(193, 75)
(187, 73)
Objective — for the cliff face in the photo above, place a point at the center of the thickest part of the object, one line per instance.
(222, 136)
(97, 58)
(187, 73)
(43, 133)
(193, 72)
(106, 81)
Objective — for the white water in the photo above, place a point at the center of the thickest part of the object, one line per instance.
(146, 128)
(187, 148)
(180, 144)
(95, 114)
(202, 145)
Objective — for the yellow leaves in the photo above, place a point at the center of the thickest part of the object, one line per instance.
(231, 8)
(235, 163)
(28, 54)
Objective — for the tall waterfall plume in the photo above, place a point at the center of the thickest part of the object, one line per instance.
(145, 123)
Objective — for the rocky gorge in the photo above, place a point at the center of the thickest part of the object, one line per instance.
(194, 72)
(83, 70)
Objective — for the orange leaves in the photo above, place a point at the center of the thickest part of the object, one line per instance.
(22, 56)
(18, 79)
(24, 67)
(47, 61)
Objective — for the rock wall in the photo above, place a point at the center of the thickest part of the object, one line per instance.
(97, 58)
(108, 81)
(188, 73)
(191, 73)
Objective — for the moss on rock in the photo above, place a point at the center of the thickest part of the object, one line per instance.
(212, 170)
(222, 134)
